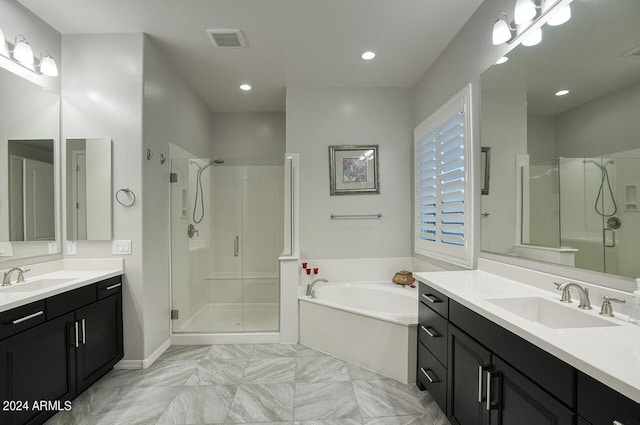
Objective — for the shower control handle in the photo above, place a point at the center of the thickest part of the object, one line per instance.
(613, 237)
(236, 246)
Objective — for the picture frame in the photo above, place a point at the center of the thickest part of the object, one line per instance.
(353, 170)
(485, 167)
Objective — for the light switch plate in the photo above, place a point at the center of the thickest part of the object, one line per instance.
(122, 247)
(71, 247)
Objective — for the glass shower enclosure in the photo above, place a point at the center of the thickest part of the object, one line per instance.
(226, 237)
(590, 205)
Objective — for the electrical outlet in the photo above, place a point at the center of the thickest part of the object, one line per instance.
(53, 247)
(6, 249)
(122, 247)
(71, 247)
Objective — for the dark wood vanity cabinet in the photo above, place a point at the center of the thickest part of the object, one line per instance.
(52, 362)
(433, 311)
(494, 377)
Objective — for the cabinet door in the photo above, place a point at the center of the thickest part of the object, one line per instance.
(468, 363)
(100, 347)
(37, 365)
(520, 402)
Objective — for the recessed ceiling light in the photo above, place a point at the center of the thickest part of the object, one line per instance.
(368, 55)
(502, 60)
(245, 87)
(562, 92)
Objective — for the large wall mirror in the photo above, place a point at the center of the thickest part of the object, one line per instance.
(88, 189)
(565, 169)
(29, 134)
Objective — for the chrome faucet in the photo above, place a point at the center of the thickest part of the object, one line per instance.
(310, 292)
(585, 303)
(6, 279)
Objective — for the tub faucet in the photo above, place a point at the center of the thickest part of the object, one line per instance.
(585, 303)
(6, 279)
(310, 292)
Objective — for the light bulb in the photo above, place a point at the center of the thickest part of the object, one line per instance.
(245, 87)
(501, 31)
(502, 60)
(560, 16)
(22, 51)
(534, 37)
(368, 55)
(524, 12)
(48, 66)
(562, 92)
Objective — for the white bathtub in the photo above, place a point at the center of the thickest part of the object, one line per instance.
(371, 324)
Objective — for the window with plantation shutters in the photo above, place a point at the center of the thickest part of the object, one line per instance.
(442, 198)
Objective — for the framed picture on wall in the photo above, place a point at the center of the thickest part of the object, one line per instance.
(353, 170)
(485, 166)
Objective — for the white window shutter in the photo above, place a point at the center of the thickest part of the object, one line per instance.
(442, 198)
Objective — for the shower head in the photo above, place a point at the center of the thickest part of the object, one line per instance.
(597, 164)
(214, 162)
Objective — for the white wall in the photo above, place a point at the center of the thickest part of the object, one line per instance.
(249, 137)
(319, 117)
(506, 111)
(605, 125)
(462, 61)
(16, 19)
(104, 99)
(107, 99)
(172, 112)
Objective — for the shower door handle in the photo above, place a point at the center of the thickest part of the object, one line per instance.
(613, 237)
(236, 246)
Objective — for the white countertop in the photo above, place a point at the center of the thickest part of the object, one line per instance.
(609, 354)
(79, 272)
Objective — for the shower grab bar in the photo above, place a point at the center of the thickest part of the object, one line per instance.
(236, 246)
(356, 216)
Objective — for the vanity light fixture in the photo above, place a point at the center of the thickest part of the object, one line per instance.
(368, 55)
(527, 18)
(534, 37)
(502, 30)
(48, 65)
(22, 54)
(245, 87)
(524, 12)
(560, 17)
(22, 50)
(502, 60)
(562, 92)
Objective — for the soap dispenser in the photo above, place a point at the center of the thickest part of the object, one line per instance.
(634, 312)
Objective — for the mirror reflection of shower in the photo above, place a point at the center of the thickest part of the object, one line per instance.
(199, 195)
(605, 189)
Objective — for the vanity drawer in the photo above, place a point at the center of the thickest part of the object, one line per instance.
(434, 300)
(432, 375)
(69, 301)
(21, 318)
(432, 332)
(109, 287)
(600, 404)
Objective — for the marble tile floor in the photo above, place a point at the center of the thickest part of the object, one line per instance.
(250, 384)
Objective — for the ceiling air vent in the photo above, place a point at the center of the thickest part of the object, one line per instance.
(633, 53)
(227, 38)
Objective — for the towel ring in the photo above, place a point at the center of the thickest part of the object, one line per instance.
(131, 195)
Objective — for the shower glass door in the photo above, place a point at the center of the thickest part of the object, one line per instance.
(225, 271)
(601, 219)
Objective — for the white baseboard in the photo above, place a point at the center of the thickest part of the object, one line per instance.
(143, 364)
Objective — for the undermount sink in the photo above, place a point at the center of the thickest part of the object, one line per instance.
(35, 285)
(550, 313)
